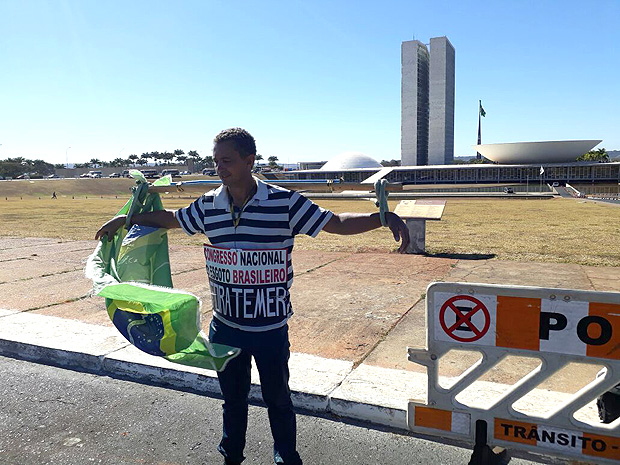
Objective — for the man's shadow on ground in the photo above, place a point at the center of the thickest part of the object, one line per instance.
(462, 256)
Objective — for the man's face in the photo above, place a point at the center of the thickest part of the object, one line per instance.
(232, 169)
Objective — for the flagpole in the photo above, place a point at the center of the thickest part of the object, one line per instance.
(478, 155)
(541, 175)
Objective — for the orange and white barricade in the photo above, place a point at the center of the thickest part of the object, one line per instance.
(558, 326)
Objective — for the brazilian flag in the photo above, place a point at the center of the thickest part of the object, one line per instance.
(132, 272)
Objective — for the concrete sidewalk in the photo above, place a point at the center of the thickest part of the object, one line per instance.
(355, 314)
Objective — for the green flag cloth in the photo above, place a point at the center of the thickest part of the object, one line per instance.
(482, 112)
(132, 272)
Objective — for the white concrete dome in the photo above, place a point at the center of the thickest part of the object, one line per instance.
(522, 153)
(350, 160)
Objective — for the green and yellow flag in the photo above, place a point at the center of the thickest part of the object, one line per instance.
(132, 272)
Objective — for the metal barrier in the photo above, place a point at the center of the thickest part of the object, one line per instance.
(557, 326)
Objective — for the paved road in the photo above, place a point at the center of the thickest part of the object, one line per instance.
(566, 194)
(53, 416)
(611, 201)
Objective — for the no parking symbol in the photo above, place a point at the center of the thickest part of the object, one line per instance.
(457, 315)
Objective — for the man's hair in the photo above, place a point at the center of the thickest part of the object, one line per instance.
(243, 141)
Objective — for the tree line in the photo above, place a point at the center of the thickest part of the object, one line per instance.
(178, 157)
(14, 167)
(599, 155)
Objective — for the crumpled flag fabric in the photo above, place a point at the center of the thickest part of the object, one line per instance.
(132, 272)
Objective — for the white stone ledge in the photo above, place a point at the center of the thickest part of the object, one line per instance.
(132, 363)
(379, 395)
(5, 312)
(58, 341)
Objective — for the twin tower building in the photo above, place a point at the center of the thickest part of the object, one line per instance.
(427, 99)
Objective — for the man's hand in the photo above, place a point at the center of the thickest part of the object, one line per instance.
(156, 219)
(399, 229)
(110, 228)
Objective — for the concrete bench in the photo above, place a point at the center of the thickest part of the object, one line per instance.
(415, 213)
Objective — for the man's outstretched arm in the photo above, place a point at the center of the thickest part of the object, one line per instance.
(156, 219)
(356, 223)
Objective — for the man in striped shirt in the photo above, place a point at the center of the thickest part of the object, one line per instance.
(251, 226)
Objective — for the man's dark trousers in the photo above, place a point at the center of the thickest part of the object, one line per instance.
(270, 350)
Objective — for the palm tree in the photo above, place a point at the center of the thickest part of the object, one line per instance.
(257, 158)
(156, 156)
(178, 153)
(133, 157)
(167, 157)
(208, 161)
(273, 161)
(95, 162)
(145, 157)
(42, 167)
(599, 155)
(193, 160)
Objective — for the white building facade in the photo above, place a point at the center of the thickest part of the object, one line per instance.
(414, 103)
(427, 102)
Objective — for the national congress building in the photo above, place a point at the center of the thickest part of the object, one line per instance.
(427, 102)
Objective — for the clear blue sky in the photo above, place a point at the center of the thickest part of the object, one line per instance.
(309, 79)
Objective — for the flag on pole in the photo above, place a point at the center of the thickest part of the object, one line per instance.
(481, 112)
(542, 171)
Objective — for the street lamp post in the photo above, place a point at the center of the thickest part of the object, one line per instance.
(67, 157)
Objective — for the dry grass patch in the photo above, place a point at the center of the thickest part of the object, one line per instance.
(559, 230)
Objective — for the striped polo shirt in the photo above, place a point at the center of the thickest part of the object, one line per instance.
(270, 220)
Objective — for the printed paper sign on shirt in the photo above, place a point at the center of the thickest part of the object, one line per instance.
(248, 287)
